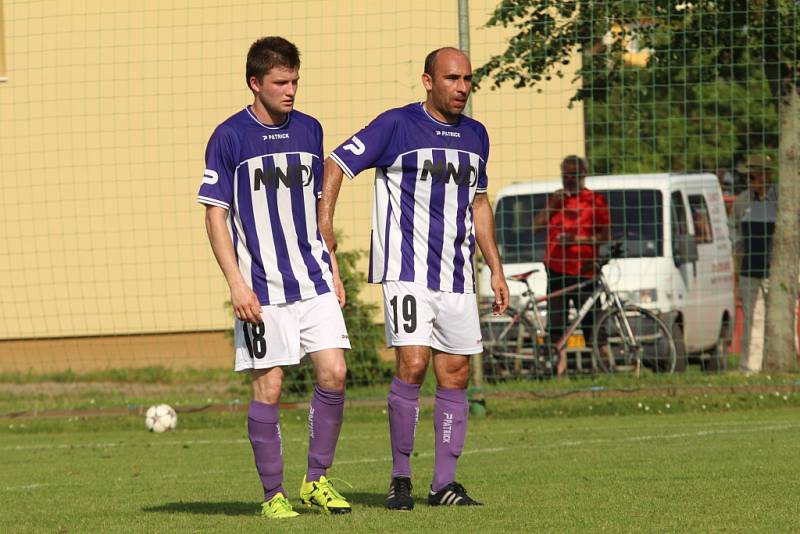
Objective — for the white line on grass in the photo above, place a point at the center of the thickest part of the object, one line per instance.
(469, 452)
(361, 437)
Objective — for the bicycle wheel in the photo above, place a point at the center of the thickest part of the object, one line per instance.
(511, 348)
(654, 342)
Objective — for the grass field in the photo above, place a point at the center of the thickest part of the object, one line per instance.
(539, 465)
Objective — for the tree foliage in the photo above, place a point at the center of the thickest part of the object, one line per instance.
(707, 94)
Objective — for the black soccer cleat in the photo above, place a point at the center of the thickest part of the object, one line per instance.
(453, 494)
(399, 496)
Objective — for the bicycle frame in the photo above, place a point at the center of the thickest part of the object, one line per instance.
(601, 290)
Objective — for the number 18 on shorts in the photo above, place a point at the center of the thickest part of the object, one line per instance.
(289, 331)
(416, 315)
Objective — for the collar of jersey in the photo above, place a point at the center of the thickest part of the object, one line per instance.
(440, 123)
(284, 124)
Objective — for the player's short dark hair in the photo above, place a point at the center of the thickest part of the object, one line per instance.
(576, 160)
(269, 52)
(430, 61)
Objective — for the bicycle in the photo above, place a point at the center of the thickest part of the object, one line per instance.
(518, 341)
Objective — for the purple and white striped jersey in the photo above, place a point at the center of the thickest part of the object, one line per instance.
(269, 178)
(426, 175)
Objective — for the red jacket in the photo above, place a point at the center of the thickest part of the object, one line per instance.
(581, 215)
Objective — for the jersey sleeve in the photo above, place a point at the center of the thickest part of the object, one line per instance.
(217, 186)
(483, 179)
(368, 148)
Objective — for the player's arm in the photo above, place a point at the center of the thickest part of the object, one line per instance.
(331, 184)
(245, 303)
(484, 235)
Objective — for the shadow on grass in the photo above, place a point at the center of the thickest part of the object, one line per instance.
(206, 508)
(374, 500)
(367, 500)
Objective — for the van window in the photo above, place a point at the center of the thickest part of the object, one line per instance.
(679, 225)
(702, 221)
(636, 221)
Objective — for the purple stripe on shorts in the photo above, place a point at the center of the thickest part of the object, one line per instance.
(436, 228)
(245, 198)
(291, 287)
(461, 227)
(407, 186)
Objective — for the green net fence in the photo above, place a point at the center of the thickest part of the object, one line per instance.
(686, 114)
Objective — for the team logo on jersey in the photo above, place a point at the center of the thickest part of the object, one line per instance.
(461, 174)
(356, 147)
(288, 173)
(210, 177)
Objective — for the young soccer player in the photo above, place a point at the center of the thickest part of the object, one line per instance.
(262, 179)
(430, 208)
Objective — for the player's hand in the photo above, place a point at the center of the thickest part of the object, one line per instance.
(500, 288)
(338, 286)
(245, 304)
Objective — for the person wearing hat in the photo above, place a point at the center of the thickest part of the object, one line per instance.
(752, 224)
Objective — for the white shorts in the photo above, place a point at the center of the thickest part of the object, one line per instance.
(416, 315)
(290, 331)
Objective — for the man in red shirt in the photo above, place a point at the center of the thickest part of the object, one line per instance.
(577, 222)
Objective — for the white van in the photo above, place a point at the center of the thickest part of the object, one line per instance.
(676, 255)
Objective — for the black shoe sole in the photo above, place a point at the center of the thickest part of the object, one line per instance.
(399, 508)
(467, 504)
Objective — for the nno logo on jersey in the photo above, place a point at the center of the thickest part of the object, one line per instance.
(293, 175)
(461, 174)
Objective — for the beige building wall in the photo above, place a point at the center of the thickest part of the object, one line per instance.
(107, 110)
(2, 46)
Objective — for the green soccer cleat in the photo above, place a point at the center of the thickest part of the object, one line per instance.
(278, 507)
(321, 493)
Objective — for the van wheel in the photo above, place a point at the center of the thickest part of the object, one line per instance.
(681, 358)
(718, 358)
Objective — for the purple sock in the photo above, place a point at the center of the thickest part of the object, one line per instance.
(449, 429)
(264, 430)
(324, 422)
(403, 417)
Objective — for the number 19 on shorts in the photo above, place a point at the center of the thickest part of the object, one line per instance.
(408, 309)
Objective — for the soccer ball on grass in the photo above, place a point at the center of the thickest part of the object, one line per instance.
(160, 418)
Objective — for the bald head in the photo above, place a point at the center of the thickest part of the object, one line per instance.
(431, 59)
